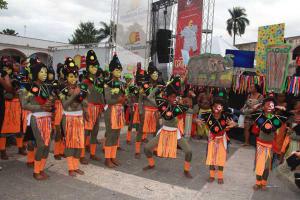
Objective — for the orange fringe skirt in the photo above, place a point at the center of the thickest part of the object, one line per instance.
(58, 113)
(150, 120)
(25, 114)
(74, 130)
(216, 151)
(167, 143)
(93, 111)
(117, 116)
(136, 114)
(12, 117)
(44, 121)
(263, 155)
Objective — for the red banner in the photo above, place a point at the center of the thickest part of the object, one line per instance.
(189, 30)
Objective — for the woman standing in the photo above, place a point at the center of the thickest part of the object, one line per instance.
(253, 101)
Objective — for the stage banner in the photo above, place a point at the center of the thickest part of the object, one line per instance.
(277, 66)
(267, 35)
(132, 33)
(188, 35)
(210, 70)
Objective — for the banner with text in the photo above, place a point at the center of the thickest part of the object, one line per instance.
(188, 35)
(132, 33)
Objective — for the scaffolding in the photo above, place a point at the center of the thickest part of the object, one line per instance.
(208, 13)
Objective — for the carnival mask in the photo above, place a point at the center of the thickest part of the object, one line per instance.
(217, 108)
(154, 76)
(93, 69)
(117, 73)
(269, 106)
(72, 79)
(42, 75)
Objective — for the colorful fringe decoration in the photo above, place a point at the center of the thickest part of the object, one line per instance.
(293, 85)
(74, 132)
(44, 126)
(12, 117)
(241, 83)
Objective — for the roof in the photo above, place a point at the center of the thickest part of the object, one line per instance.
(29, 42)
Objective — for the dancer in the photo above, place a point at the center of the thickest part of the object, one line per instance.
(74, 103)
(40, 101)
(170, 135)
(147, 108)
(95, 100)
(218, 123)
(115, 98)
(268, 123)
(13, 112)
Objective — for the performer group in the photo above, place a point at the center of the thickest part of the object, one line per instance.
(67, 107)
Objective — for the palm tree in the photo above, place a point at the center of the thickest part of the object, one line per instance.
(236, 25)
(3, 4)
(8, 31)
(106, 31)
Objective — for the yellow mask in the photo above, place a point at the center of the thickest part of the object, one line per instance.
(117, 73)
(42, 75)
(154, 76)
(93, 69)
(72, 79)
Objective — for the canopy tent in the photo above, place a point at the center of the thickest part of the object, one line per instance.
(219, 46)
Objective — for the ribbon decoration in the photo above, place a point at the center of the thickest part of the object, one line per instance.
(241, 83)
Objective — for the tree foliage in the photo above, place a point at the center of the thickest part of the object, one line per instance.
(236, 25)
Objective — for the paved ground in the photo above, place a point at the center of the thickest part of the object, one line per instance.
(130, 182)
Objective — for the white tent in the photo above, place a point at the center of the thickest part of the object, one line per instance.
(219, 46)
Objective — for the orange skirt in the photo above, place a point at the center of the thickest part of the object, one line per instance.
(25, 114)
(150, 120)
(167, 143)
(216, 152)
(12, 117)
(93, 111)
(74, 131)
(44, 126)
(117, 116)
(263, 157)
(136, 114)
(58, 113)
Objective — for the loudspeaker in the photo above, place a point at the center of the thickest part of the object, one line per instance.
(163, 43)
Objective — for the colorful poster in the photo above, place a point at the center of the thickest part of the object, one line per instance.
(210, 70)
(267, 35)
(132, 33)
(277, 59)
(189, 31)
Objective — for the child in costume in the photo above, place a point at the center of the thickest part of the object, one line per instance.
(95, 99)
(13, 112)
(74, 104)
(40, 101)
(170, 135)
(115, 98)
(218, 122)
(147, 108)
(267, 123)
(132, 93)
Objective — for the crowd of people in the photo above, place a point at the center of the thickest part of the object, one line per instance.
(38, 105)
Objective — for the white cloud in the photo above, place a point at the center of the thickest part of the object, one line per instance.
(57, 19)
(52, 19)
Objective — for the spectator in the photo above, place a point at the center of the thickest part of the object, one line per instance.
(253, 99)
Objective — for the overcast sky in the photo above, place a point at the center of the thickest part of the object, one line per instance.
(57, 19)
